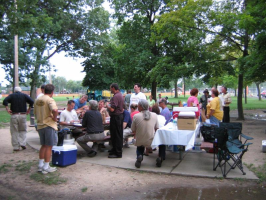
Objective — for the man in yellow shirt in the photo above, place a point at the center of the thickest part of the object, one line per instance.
(46, 111)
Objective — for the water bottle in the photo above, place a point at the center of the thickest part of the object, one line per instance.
(175, 123)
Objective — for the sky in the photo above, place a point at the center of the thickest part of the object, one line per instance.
(68, 67)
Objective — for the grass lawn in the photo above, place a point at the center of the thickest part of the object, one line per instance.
(252, 103)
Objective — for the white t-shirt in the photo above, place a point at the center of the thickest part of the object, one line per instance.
(41, 94)
(134, 99)
(161, 120)
(67, 116)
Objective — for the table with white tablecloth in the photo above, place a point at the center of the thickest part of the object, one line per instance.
(170, 135)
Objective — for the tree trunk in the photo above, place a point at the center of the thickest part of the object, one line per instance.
(246, 95)
(35, 75)
(153, 90)
(239, 98)
(176, 93)
(184, 87)
(258, 88)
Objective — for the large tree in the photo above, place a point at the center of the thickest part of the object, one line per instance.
(70, 25)
(138, 55)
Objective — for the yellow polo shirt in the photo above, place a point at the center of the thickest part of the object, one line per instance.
(216, 106)
(43, 107)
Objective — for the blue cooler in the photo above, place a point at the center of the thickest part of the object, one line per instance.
(64, 155)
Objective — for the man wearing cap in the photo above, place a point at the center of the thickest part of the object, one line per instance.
(204, 100)
(18, 121)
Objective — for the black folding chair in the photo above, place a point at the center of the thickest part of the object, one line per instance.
(235, 148)
(220, 151)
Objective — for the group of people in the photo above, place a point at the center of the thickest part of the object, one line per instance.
(130, 115)
(215, 107)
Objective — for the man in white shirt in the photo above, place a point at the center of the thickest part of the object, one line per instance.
(69, 116)
(226, 100)
(42, 92)
(137, 96)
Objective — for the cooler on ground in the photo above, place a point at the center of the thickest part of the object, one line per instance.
(64, 155)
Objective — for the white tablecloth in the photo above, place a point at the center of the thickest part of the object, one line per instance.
(169, 135)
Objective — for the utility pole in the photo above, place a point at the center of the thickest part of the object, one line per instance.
(16, 83)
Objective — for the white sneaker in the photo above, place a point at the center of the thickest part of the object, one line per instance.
(40, 168)
(48, 170)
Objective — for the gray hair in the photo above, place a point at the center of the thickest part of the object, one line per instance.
(84, 96)
(145, 106)
(93, 105)
(17, 89)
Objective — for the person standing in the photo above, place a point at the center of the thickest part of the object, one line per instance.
(214, 108)
(127, 98)
(46, 111)
(151, 102)
(138, 95)
(226, 98)
(18, 121)
(116, 121)
(204, 100)
(42, 92)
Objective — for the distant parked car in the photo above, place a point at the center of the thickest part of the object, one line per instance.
(263, 93)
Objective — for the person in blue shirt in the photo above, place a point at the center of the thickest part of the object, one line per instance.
(165, 111)
(167, 114)
(127, 132)
(81, 104)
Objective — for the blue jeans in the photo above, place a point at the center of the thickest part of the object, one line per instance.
(140, 150)
(214, 120)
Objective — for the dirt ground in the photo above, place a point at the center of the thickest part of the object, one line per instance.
(90, 181)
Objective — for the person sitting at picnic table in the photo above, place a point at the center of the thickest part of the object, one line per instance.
(133, 110)
(126, 126)
(144, 125)
(151, 102)
(162, 148)
(161, 118)
(214, 108)
(81, 104)
(165, 110)
(69, 116)
(102, 109)
(92, 121)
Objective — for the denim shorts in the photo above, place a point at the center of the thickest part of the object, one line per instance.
(48, 136)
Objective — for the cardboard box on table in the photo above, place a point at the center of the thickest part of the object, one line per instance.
(186, 121)
(64, 155)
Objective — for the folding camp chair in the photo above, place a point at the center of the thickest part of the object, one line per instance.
(235, 148)
(219, 149)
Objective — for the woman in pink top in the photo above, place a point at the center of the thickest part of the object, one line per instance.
(133, 110)
(193, 100)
